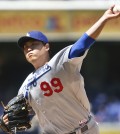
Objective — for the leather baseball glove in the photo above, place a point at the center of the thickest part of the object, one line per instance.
(18, 115)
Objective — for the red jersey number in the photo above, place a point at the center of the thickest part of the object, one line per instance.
(54, 86)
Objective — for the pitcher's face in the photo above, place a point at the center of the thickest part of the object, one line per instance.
(35, 50)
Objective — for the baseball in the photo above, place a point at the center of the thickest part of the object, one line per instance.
(116, 9)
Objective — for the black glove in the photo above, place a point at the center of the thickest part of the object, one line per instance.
(18, 115)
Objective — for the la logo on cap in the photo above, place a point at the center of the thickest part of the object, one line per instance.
(28, 34)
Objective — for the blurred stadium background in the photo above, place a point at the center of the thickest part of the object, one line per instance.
(64, 22)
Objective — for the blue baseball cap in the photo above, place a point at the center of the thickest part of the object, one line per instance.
(37, 35)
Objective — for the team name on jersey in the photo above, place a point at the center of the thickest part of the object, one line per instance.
(32, 82)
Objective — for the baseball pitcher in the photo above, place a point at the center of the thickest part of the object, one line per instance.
(55, 89)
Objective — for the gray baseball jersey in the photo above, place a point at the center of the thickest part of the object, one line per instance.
(56, 93)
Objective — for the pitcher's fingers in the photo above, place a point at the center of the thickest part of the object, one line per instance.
(6, 121)
(5, 117)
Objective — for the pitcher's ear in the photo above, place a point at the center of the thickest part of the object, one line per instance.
(47, 46)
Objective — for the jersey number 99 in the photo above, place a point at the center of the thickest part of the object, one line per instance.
(54, 86)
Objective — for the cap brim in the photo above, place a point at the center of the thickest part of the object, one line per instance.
(22, 40)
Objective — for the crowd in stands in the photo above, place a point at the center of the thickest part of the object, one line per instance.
(106, 108)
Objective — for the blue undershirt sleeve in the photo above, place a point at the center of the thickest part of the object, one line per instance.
(80, 46)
